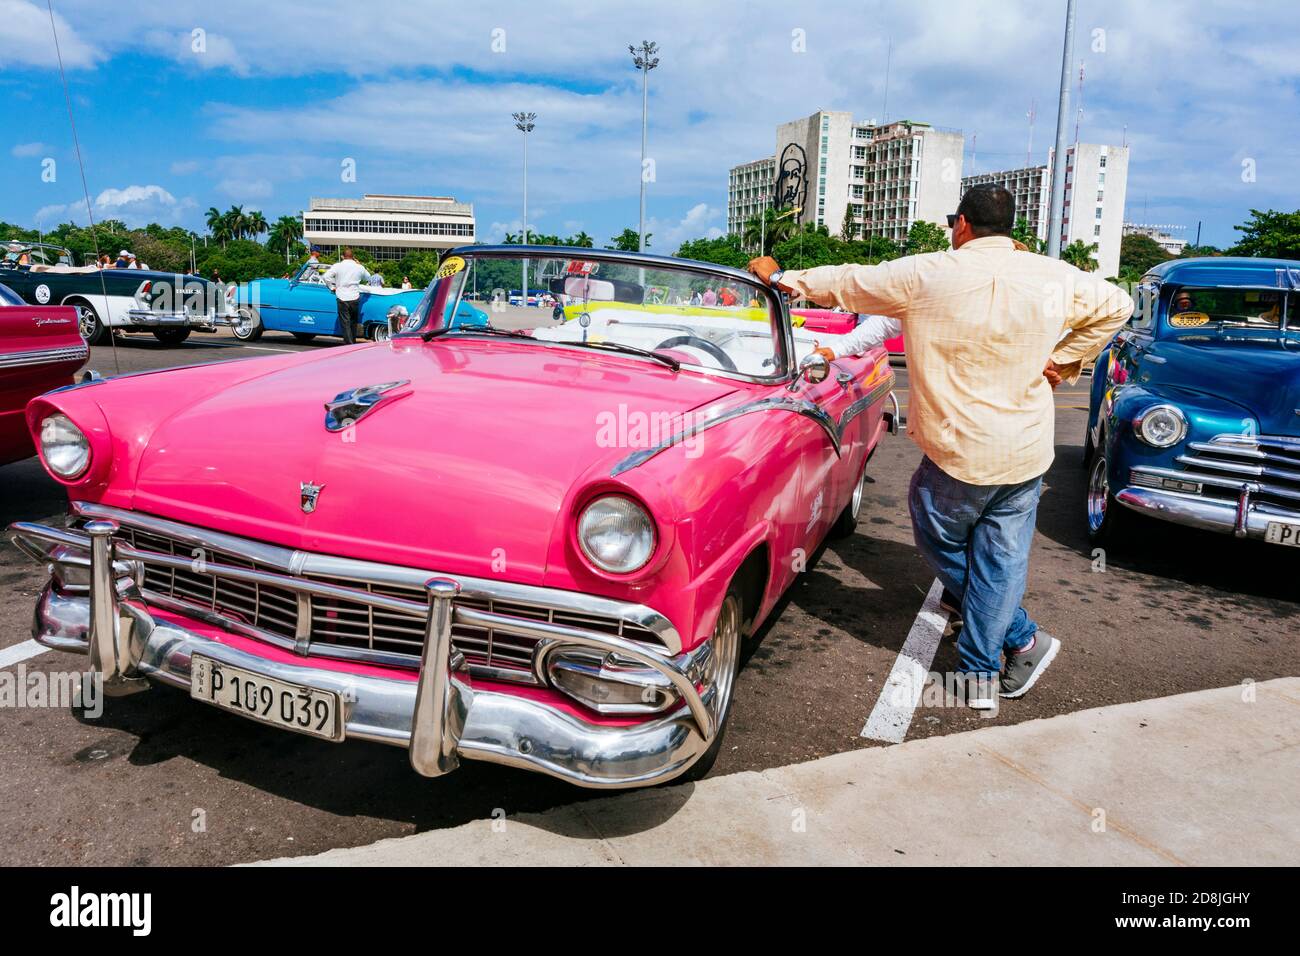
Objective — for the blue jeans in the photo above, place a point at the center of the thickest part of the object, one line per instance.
(977, 538)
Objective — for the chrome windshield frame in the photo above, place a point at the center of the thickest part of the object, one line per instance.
(782, 338)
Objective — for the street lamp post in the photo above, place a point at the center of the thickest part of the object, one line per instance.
(524, 123)
(1057, 207)
(645, 60)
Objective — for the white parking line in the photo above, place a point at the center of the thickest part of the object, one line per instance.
(20, 652)
(263, 348)
(893, 712)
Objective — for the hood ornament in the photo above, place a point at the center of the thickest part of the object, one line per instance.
(351, 406)
(309, 493)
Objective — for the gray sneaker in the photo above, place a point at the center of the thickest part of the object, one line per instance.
(1022, 670)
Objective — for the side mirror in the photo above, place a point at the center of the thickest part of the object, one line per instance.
(814, 369)
(397, 317)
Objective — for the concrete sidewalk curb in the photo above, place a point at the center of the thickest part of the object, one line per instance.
(1206, 778)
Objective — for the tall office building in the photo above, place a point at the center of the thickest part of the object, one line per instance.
(1096, 181)
(1163, 236)
(885, 176)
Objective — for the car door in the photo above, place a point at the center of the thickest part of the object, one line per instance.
(312, 308)
(826, 460)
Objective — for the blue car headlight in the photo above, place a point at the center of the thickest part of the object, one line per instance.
(1161, 426)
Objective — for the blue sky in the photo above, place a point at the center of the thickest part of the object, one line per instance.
(279, 95)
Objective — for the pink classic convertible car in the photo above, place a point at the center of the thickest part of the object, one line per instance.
(40, 349)
(538, 543)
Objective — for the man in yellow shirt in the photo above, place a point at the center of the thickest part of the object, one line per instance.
(990, 332)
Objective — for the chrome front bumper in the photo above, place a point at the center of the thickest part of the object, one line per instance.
(1244, 518)
(439, 718)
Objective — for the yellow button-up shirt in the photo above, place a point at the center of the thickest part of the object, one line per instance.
(981, 323)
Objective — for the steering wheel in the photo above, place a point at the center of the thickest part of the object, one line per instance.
(704, 345)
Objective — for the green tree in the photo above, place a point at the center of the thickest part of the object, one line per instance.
(723, 251)
(849, 227)
(628, 240)
(1022, 233)
(1269, 233)
(765, 231)
(1137, 254)
(924, 237)
(1080, 255)
(256, 223)
(285, 236)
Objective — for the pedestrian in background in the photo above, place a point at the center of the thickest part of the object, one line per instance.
(991, 330)
(344, 279)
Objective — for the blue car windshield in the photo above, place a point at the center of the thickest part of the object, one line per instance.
(1231, 309)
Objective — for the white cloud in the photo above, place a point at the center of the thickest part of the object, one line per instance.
(246, 190)
(23, 150)
(701, 221)
(134, 205)
(26, 38)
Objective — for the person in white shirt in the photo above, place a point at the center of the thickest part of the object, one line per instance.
(344, 279)
(871, 330)
(376, 280)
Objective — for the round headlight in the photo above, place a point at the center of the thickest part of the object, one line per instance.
(64, 448)
(616, 535)
(1162, 426)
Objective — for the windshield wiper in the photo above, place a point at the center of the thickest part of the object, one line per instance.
(479, 329)
(668, 360)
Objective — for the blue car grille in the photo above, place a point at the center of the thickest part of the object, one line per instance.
(1227, 462)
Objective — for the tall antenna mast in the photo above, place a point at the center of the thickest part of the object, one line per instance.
(1078, 117)
(889, 54)
(974, 139)
(1029, 150)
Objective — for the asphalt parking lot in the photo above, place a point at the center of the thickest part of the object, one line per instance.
(161, 780)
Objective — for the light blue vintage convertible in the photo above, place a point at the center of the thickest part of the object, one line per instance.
(304, 306)
(1195, 411)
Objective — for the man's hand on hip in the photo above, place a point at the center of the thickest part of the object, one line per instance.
(1052, 373)
(763, 267)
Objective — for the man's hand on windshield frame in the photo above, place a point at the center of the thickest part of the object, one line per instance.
(763, 267)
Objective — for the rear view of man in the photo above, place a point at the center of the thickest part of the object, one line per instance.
(990, 332)
(344, 279)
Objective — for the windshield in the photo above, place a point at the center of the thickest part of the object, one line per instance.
(9, 297)
(683, 317)
(1191, 307)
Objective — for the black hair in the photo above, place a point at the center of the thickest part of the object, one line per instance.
(990, 209)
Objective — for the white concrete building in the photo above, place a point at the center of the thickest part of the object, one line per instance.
(388, 227)
(1163, 236)
(885, 176)
(1096, 182)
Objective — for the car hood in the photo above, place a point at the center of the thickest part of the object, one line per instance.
(1260, 375)
(464, 469)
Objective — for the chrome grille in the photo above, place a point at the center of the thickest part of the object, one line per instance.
(347, 628)
(1227, 462)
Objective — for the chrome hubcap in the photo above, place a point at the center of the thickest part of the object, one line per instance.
(855, 504)
(726, 654)
(1098, 494)
(244, 326)
(86, 322)
(381, 334)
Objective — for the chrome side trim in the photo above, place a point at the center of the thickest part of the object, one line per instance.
(70, 353)
(799, 406)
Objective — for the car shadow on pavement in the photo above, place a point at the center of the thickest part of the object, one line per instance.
(1177, 559)
(349, 779)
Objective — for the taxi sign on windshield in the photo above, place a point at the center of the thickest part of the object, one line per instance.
(580, 267)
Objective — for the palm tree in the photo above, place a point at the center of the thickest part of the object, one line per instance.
(582, 239)
(236, 222)
(256, 223)
(1080, 255)
(763, 235)
(218, 225)
(284, 235)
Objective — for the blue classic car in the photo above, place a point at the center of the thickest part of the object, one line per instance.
(1195, 409)
(305, 306)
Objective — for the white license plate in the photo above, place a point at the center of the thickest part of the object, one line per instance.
(306, 710)
(1281, 532)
